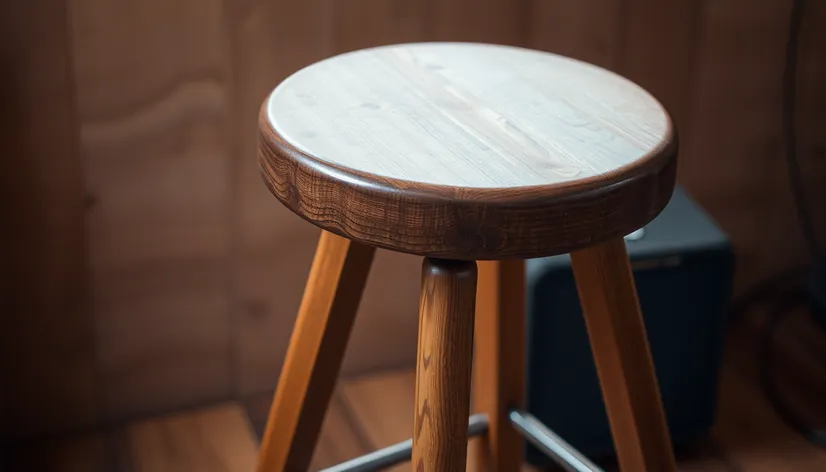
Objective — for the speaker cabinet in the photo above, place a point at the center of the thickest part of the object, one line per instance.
(683, 266)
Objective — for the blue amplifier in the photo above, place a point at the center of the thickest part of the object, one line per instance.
(683, 266)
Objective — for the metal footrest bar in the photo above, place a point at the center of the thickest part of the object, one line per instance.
(399, 452)
(549, 443)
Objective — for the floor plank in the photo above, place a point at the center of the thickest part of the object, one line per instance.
(339, 441)
(751, 435)
(382, 407)
(370, 412)
(93, 453)
(212, 440)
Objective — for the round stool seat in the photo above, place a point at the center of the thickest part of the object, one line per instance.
(467, 151)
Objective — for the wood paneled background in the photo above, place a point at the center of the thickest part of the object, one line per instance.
(145, 266)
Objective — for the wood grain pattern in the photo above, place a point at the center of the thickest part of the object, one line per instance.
(499, 377)
(620, 347)
(443, 365)
(320, 336)
(152, 104)
(47, 355)
(427, 167)
(379, 408)
(374, 411)
(213, 440)
(506, 117)
(157, 83)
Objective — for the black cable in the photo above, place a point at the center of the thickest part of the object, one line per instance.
(796, 297)
(765, 361)
(787, 285)
(804, 215)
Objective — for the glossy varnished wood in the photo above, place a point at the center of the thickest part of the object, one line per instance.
(467, 151)
(443, 365)
(620, 347)
(468, 115)
(499, 364)
(320, 336)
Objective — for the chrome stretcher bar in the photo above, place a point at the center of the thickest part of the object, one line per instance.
(399, 452)
(531, 428)
(550, 444)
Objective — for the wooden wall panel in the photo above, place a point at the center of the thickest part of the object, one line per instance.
(487, 21)
(381, 336)
(196, 271)
(811, 116)
(658, 42)
(153, 103)
(588, 30)
(273, 247)
(47, 351)
(732, 161)
(361, 24)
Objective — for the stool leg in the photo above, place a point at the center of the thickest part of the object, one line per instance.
(443, 365)
(620, 349)
(320, 336)
(499, 381)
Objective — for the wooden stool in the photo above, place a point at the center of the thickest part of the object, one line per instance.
(465, 152)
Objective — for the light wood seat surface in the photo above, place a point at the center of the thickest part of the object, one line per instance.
(467, 151)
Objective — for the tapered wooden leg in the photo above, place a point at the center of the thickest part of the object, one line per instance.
(499, 382)
(328, 309)
(443, 365)
(620, 348)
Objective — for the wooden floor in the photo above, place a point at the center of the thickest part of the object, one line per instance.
(375, 411)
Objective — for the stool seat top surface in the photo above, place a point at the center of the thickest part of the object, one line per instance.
(473, 126)
(468, 115)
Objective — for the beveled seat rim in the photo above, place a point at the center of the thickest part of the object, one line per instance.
(652, 178)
